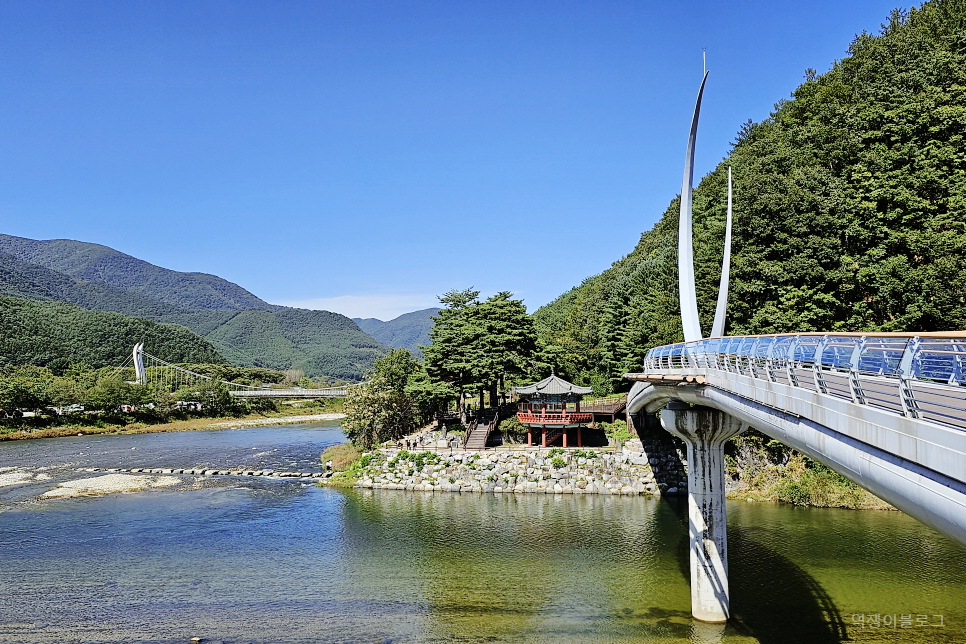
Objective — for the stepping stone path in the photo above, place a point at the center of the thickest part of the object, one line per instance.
(211, 472)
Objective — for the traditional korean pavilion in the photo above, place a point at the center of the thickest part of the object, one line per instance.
(552, 408)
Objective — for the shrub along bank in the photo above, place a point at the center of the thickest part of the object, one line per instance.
(757, 469)
(521, 471)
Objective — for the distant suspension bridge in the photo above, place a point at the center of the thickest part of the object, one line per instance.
(161, 374)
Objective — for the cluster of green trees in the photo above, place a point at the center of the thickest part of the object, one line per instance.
(480, 344)
(56, 334)
(475, 345)
(397, 398)
(32, 388)
(850, 213)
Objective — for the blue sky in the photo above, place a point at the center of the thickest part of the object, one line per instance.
(364, 157)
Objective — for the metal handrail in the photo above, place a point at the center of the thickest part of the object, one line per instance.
(924, 376)
(604, 405)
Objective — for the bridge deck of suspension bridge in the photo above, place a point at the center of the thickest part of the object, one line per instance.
(164, 374)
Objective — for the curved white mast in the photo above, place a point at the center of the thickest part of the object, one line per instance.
(721, 311)
(138, 356)
(689, 300)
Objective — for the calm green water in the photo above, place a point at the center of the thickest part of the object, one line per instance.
(250, 560)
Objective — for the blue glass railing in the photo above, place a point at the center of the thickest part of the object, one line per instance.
(918, 376)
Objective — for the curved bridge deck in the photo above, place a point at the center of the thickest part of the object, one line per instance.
(889, 411)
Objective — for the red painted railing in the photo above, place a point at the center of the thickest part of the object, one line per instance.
(555, 418)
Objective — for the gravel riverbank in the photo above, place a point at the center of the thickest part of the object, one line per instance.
(194, 424)
(282, 420)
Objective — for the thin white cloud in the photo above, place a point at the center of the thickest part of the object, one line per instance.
(381, 307)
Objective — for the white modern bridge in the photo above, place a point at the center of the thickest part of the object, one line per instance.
(888, 411)
(158, 373)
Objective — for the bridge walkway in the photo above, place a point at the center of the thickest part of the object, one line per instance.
(888, 412)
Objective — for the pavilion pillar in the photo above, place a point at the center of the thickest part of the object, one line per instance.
(529, 436)
(705, 431)
(579, 444)
(565, 437)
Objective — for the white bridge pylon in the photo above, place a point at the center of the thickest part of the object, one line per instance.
(162, 374)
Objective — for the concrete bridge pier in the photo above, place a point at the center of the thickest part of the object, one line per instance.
(705, 431)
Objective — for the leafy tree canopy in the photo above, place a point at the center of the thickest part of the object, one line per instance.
(480, 342)
(849, 213)
(394, 401)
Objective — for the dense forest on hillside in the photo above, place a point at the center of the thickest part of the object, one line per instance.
(849, 213)
(57, 335)
(408, 331)
(93, 262)
(319, 343)
(25, 280)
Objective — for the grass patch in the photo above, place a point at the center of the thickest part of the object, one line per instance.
(353, 464)
(769, 471)
(342, 456)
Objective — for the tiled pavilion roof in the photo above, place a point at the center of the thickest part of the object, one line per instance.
(553, 385)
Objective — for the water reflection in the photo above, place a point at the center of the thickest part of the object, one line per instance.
(526, 566)
(771, 596)
(768, 591)
(252, 560)
(544, 568)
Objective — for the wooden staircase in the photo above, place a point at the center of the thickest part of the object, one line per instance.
(480, 430)
(553, 434)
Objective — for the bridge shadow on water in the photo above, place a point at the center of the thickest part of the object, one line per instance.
(773, 599)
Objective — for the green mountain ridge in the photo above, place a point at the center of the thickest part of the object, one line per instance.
(23, 279)
(94, 262)
(408, 331)
(320, 343)
(849, 213)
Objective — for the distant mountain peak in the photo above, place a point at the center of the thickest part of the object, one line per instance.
(98, 263)
(241, 327)
(407, 331)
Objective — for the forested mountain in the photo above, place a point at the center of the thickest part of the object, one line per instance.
(318, 342)
(53, 333)
(849, 213)
(93, 262)
(22, 279)
(408, 331)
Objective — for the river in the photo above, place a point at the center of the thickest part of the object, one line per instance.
(250, 560)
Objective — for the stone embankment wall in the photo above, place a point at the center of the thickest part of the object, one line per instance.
(649, 467)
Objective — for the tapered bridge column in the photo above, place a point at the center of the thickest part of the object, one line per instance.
(705, 431)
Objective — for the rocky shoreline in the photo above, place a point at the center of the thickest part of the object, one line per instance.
(631, 471)
(209, 472)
